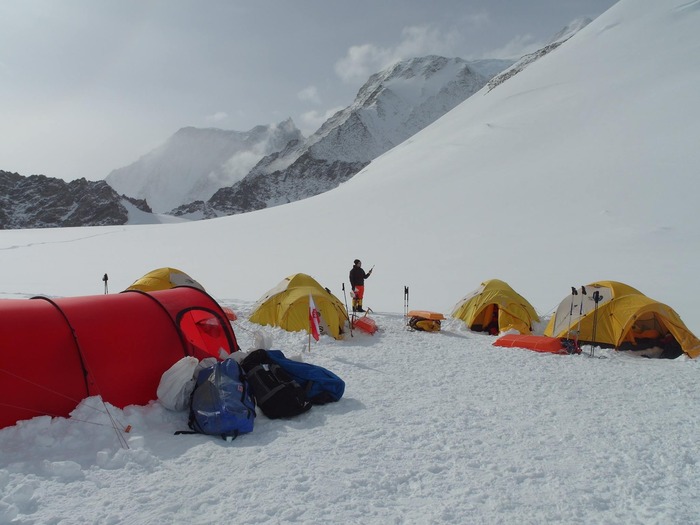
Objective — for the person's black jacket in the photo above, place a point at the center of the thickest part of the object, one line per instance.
(358, 276)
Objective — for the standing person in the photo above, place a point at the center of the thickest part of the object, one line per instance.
(357, 285)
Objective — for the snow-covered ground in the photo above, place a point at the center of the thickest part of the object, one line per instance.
(433, 428)
(580, 168)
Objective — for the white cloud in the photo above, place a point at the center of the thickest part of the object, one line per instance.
(309, 94)
(361, 61)
(237, 167)
(217, 117)
(312, 120)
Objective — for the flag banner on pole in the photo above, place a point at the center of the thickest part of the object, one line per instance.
(314, 319)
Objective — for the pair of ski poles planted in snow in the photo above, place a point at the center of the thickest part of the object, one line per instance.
(596, 297)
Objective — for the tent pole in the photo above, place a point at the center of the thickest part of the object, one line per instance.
(346, 309)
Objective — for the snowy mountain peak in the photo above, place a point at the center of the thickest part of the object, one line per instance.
(414, 79)
(419, 66)
(390, 107)
(195, 162)
(395, 104)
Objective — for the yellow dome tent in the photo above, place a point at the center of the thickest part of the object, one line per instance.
(496, 299)
(624, 318)
(164, 279)
(287, 306)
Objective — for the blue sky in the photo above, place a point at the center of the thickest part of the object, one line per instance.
(87, 86)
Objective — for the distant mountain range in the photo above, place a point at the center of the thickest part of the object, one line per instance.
(205, 173)
(215, 165)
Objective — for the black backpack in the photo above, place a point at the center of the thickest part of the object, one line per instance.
(276, 392)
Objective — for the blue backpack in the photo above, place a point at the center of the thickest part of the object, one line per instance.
(320, 385)
(222, 404)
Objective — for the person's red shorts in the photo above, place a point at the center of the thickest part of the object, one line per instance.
(359, 292)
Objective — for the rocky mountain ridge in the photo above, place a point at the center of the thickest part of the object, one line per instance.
(38, 201)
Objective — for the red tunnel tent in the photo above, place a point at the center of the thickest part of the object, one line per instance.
(56, 352)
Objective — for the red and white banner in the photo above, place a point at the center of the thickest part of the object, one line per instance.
(314, 319)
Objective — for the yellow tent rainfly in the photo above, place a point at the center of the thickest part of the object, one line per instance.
(164, 279)
(287, 306)
(495, 307)
(614, 314)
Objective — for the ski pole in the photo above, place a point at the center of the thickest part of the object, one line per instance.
(571, 311)
(596, 299)
(580, 315)
(405, 304)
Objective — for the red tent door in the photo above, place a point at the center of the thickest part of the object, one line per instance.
(203, 330)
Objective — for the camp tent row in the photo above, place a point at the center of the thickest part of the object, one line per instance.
(287, 306)
(622, 318)
(56, 352)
